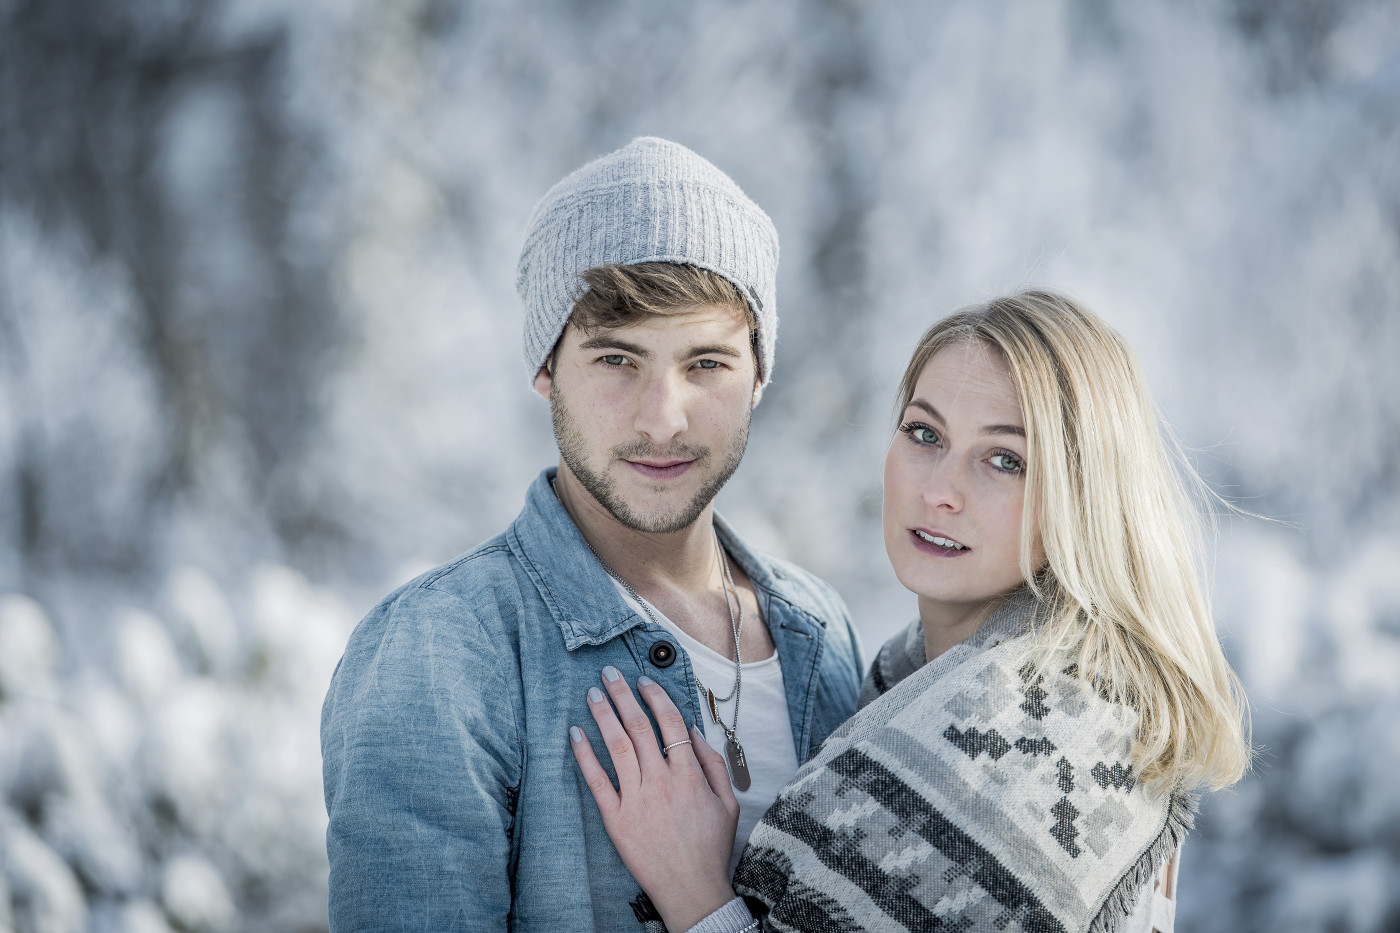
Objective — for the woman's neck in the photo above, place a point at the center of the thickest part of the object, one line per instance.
(946, 624)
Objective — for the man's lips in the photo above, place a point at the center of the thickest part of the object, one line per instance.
(660, 469)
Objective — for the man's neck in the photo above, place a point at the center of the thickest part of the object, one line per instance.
(678, 572)
(683, 559)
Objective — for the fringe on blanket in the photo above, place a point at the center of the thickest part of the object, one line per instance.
(1181, 817)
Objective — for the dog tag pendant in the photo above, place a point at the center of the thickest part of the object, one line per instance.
(738, 765)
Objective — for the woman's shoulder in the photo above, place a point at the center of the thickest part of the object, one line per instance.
(904, 653)
(999, 764)
(900, 656)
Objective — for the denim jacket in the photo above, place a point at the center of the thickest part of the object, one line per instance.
(454, 799)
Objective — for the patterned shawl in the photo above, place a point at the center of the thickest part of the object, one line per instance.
(967, 796)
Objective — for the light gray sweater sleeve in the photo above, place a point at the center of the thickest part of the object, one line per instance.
(731, 918)
(901, 656)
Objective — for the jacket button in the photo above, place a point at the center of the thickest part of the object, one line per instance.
(663, 654)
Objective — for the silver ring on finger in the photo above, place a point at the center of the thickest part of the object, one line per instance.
(667, 748)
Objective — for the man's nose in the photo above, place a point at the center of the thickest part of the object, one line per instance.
(661, 409)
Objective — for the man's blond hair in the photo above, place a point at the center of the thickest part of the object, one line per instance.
(615, 296)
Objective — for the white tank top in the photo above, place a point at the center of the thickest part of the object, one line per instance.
(765, 729)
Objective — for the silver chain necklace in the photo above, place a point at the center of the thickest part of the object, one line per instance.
(733, 751)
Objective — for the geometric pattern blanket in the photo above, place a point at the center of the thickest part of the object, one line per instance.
(968, 797)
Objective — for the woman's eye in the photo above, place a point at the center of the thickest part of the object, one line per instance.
(615, 359)
(921, 434)
(1008, 463)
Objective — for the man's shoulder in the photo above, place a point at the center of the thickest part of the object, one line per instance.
(463, 614)
(803, 590)
(841, 655)
(470, 576)
(474, 590)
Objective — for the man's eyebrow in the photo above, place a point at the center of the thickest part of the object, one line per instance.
(1013, 429)
(609, 342)
(718, 349)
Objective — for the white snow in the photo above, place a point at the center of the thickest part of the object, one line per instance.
(28, 648)
(259, 364)
(195, 896)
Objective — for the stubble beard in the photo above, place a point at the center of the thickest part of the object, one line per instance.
(573, 451)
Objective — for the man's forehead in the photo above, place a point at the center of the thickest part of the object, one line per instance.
(680, 326)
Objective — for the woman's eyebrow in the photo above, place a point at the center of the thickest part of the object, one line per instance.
(928, 409)
(1013, 429)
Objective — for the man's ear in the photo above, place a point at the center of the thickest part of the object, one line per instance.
(757, 393)
(544, 381)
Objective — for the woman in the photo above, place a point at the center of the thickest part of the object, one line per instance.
(1026, 751)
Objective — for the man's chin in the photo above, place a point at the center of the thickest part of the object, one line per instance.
(647, 514)
(651, 507)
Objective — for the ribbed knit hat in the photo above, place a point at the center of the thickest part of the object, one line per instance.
(651, 201)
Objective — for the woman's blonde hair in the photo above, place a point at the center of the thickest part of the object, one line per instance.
(1106, 484)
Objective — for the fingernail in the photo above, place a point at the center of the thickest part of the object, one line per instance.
(576, 733)
(595, 694)
(610, 673)
(644, 681)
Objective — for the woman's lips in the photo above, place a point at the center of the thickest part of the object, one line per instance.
(660, 469)
(920, 537)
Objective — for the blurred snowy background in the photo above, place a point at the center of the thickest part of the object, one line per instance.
(259, 363)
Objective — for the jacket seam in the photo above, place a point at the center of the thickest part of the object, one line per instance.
(520, 744)
(445, 569)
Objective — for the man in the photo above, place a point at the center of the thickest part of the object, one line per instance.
(648, 280)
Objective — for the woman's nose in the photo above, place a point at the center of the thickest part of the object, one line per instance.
(943, 486)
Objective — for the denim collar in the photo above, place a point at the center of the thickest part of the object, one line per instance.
(578, 591)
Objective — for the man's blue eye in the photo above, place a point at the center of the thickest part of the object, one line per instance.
(615, 359)
(708, 364)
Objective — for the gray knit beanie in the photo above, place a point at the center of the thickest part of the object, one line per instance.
(650, 201)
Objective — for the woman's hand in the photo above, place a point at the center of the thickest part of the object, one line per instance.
(672, 816)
